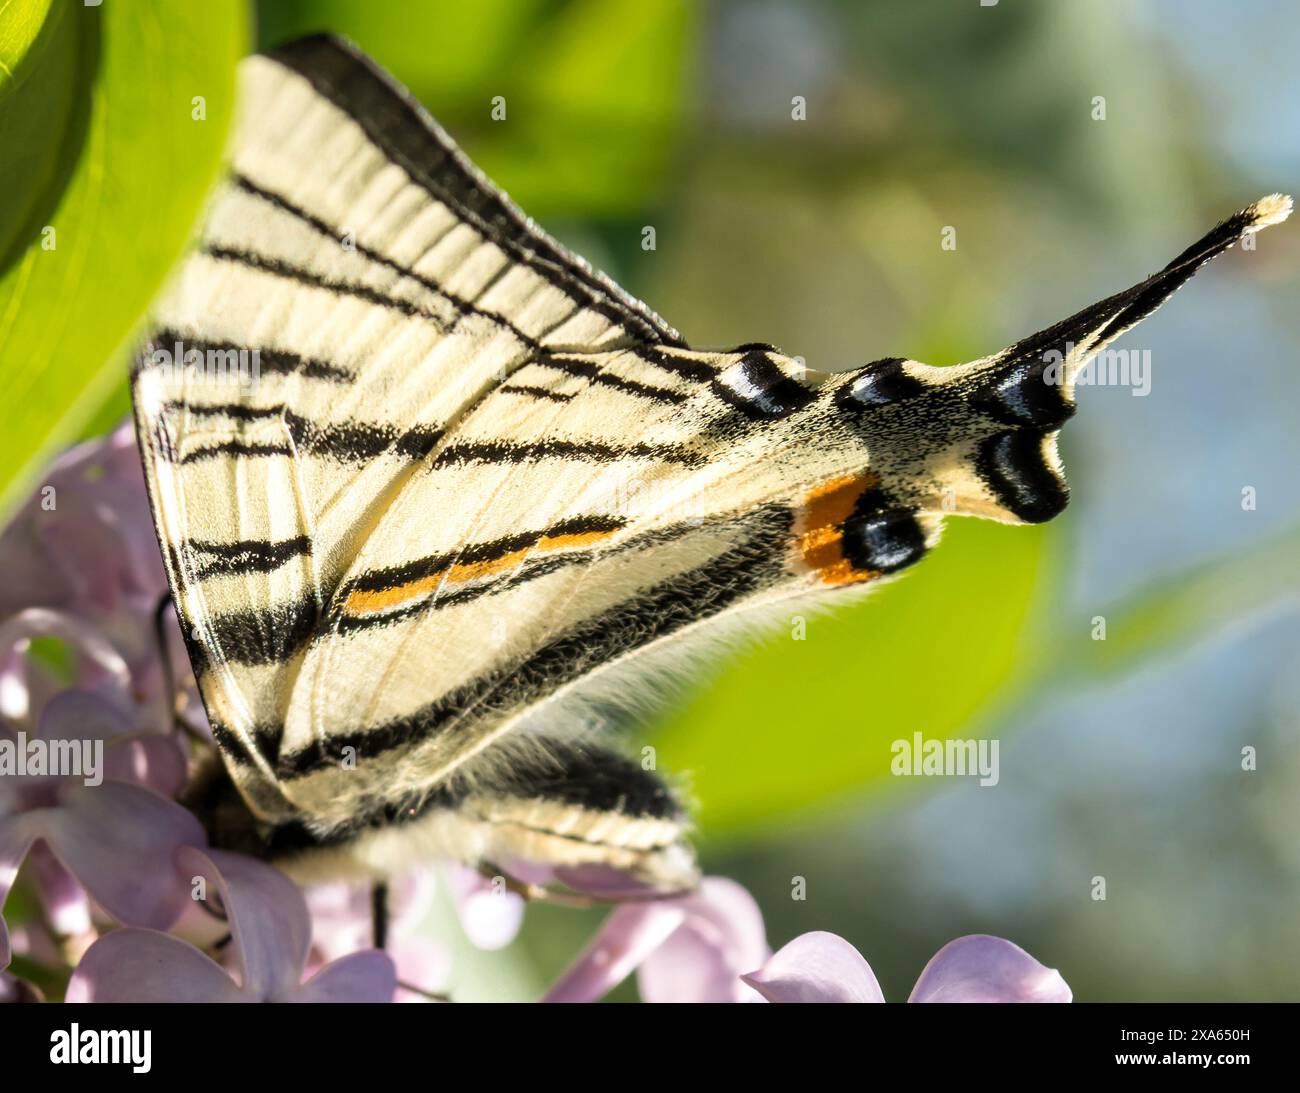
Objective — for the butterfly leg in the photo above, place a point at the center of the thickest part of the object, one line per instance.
(379, 914)
(174, 694)
(540, 893)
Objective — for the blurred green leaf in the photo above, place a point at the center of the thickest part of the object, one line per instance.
(121, 216)
(597, 110)
(796, 723)
(446, 52)
(594, 90)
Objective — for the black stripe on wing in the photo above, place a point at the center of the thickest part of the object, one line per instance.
(277, 267)
(504, 451)
(690, 597)
(393, 119)
(545, 355)
(346, 442)
(243, 556)
(168, 344)
(559, 772)
(595, 373)
(529, 391)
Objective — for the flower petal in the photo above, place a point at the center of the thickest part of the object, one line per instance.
(816, 967)
(627, 936)
(80, 714)
(721, 937)
(67, 909)
(267, 915)
(602, 881)
(980, 968)
(129, 755)
(366, 976)
(16, 838)
(13, 989)
(36, 622)
(147, 759)
(130, 965)
(118, 840)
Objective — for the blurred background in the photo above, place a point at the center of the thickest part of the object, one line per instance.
(1074, 148)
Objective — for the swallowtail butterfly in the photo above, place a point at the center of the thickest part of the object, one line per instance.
(472, 477)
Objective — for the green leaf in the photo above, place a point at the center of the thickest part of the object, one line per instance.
(110, 156)
(39, 62)
(592, 119)
(447, 52)
(794, 724)
(594, 90)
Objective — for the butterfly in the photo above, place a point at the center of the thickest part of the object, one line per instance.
(424, 482)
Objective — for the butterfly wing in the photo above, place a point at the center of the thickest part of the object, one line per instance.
(473, 475)
(369, 344)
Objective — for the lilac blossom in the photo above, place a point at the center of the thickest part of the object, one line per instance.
(14, 989)
(270, 941)
(821, 967)
(110, 841)
(83, 546)
(692, 948)
(704, 947)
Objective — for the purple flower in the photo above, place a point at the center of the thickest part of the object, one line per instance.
(821, 967)
(107, 831)
(25, 686)
(698, 948)
(688, 949)
(84, 540)
(271, 935)
(13, 989)
(81, 564)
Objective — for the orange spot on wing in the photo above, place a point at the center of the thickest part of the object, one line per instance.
(573, 538)
(821, 544)
(364, 601)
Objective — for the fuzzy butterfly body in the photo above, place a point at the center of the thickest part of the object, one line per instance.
(470, 476)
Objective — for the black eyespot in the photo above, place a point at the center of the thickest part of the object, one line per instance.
(883, 541)
(1026, 392)
(881, 383)
(1014, 468)
(759, 389)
